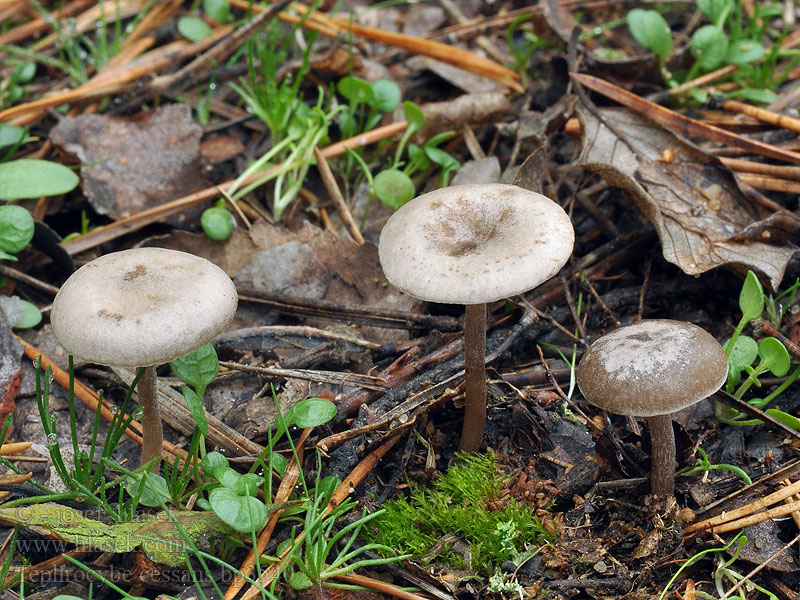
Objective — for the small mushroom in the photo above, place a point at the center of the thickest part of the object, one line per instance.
(141, 308)
(470, 245)
(651, 369)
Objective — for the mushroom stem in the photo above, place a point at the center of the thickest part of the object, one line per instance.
(662, 459)
(475, 377)
(152, 430)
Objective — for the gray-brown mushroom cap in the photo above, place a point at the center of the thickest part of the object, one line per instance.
(142, 307)
(473, 244)
(653, 367)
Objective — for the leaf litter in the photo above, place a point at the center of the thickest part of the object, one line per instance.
(613, 540)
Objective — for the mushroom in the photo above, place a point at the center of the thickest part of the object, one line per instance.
(470, 245)
(651, 369)
(140, 308)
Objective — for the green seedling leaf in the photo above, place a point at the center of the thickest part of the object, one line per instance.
(198, 368)
(31, 316)
(218, 10)
(784, 418)
(744, 352)
(11, 135)
(213, 462)
(742, 52)
(311, 412)
(23, 73)
(13, 93)
(774, 357)
(279, 463)
(155, 489)
(756, 95)
(300, 581)
(650, 29)
(248, 484)
(27, 178)
(355, 90)
(414, 117)
(195, 404)
(751, 298)
(716, 10)
(244, 514)
(67, 597)
(217, 223)
(228, 477)
(394, 188)
(386, 95)
(16, 228)
(709, 45)
(193, 28)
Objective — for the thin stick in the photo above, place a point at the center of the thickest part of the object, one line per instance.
(682, 124)
(336, 195)
(748, 509)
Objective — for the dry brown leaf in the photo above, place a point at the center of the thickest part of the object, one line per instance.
(134, 163)
(692, 200)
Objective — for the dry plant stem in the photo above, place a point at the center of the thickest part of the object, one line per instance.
(475, 377)
(336, 195)
(748, 509)
(679, 123)
(662, 442)
(152, 430)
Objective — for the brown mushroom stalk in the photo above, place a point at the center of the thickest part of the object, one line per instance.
(152, 429)
(475, 377)
(662, 455)
(470, 245)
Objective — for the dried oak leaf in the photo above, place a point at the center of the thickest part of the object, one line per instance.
(692, 200)
(134, 163)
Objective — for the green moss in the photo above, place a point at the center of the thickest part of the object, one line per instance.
(458, 504)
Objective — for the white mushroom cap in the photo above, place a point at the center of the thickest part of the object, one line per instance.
(142, 307)
(472, 244)
(653, 367)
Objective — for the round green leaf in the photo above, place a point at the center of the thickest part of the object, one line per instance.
(709, 45)
(228, 477)
(193, 28)
(213, 462)
(386, 95)
(355, 90)
(774, 356)
(311, 412)
(650, 29)
(248, 484)
(16, 228)
(217, 223)
(300, 581)
(742, 52)
(198, 368)
(31, 316)
(714, 9)
(155, 489)
(394, 188)
(26, 178)
(279, 463)
(11, 135)
(218, 10)
(244, 514)
(744, 351)
(414, 117)
(24, 73)
(751, 298)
